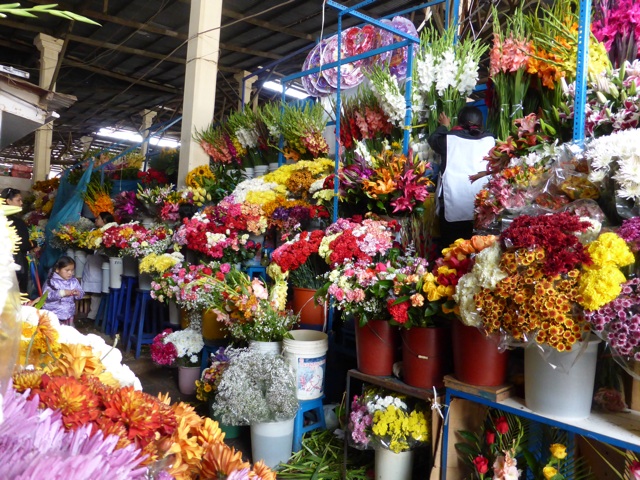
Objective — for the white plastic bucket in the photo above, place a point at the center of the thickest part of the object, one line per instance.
(248, 173)
(147, 222)
(393, 466)
(105, 277)
(115, 272)
(307, 354)
(81, 260)
(174, 313)
(272, 442)
(70, 253)
(269, 348)
(273, 166)
(560, 383)
(144, 281)
(129, 266)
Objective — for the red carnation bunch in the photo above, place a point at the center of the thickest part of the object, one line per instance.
(293, 254)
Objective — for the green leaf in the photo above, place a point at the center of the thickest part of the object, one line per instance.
(21, 13)
(40, 303)
(469, 436)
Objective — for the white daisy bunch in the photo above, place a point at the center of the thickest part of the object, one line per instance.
(252, 185)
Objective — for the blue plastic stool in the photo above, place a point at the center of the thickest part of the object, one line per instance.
(127, 289)
(136, 331)
(257, 271)
(101, 315)
(299, 429)
(111, 326)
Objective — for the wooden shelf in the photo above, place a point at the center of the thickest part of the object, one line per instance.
(394, 384)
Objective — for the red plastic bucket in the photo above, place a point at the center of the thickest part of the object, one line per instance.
(476, 359)
(425, 356)
(375, 347)
(311, 315)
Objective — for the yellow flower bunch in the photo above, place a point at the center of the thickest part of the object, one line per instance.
(317, 168)
(278, 202)
(600, 283)
(195, 178)
(278, 294)
(200, 195)
(38, 340)
(397, 427)
(91, 240)
(154, 263)
(260, 197)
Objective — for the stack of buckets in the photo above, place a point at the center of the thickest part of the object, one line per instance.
(306, 351)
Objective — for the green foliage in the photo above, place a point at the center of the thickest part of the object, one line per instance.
(17, 10)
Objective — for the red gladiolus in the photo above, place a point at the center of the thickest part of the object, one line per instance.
(482, 464)
(490, 437)
(502, 426)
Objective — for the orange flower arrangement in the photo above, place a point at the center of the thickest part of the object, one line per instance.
(98, 200)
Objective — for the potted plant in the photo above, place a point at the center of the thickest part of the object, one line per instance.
(259, 390)
(182, 348)
(388, 424)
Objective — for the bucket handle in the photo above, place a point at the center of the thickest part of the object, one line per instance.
(378, 335)
(324, 325)
(421, 357)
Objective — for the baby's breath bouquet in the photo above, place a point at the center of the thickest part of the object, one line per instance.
(255, 388)
(380, 419)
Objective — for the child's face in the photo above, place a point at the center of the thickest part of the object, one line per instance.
(66, 272)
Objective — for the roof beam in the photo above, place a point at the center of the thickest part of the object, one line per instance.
(123, 49)
(266, 25)
(119, 76)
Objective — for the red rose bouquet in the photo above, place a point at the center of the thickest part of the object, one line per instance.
(299, 258)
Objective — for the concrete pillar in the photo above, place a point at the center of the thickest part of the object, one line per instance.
(200, 81)
(244, 89)
(49, 48)
(147, 121)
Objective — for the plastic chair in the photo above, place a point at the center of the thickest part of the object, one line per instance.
(315, 412)
(136, 331)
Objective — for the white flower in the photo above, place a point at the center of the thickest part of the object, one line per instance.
(467, 76)
(446, 71)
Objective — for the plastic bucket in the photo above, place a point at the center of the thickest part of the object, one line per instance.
(115, 272)
(81, 260)
(70, 253)
(273, 166)
(272, 442)
(129, 266)
(268, 348)
(425, 356)
(476, 358)
(307, 354)
(375, 347)
(187, 377)
(311, 315)
(105, 277)
(174, 313)
(393, 466)
(560, 383)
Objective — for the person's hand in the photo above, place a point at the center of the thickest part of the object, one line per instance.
(74, 293)
(444, 120)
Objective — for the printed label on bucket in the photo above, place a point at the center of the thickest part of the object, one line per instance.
(311, 376)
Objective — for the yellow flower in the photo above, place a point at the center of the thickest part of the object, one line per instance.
(549, 472)
(558, 450)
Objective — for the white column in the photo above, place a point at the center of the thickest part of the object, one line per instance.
(244, 90)
(147, 121)
(49, 48)
(200, 81)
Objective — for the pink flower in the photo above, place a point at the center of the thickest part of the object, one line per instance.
(259, 290)
(505, 467)
(225, 268)
(635, 470)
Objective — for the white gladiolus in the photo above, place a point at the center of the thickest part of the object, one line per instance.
(446, 72)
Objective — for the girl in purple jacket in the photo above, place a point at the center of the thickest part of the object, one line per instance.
(63, 290)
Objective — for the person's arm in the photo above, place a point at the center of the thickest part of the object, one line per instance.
(438, 139)
(77, 291)
(54, 295)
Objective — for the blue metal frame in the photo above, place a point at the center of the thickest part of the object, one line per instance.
(580, 100)
(450, 393)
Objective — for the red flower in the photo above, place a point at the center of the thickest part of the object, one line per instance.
(400, 311)
(502, 426)
(482, 464)
(490, 437)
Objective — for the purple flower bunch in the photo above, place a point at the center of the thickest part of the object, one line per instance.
(630, 233)
(360, 421)
(125, 205)
(618, 322)
(35, 444)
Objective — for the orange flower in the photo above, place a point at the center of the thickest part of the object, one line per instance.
(263, 472)
(27, 379)
(77, 403)
(220, 460)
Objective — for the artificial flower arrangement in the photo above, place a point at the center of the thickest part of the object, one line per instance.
(298, 259)
(219, 232)
(182, 347)
(210, 378)
(247, 307)
(255, 388)
(388, 181)
(379, 419)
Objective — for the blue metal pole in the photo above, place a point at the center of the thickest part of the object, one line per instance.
(406, 139)
(580, 100)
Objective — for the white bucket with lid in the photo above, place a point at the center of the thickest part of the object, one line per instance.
(105, 277)
(307, 354)
(115, 272)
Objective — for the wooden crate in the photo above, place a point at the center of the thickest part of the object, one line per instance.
(494, 394)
